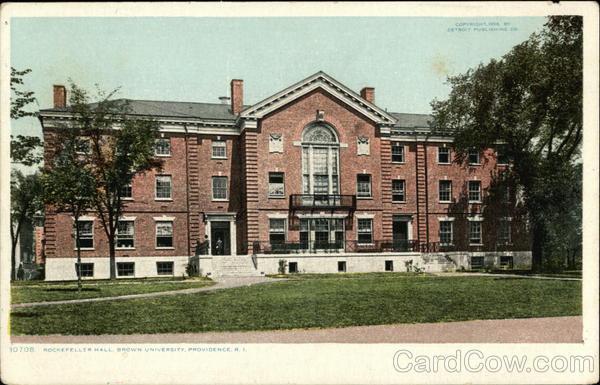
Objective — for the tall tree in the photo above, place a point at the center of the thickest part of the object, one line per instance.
(23, 149)
(25, 202)
(530, 101)
(117, 147)
(69, 186)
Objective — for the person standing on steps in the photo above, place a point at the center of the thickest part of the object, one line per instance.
(219, 246)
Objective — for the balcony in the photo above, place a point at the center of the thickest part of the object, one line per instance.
(320, 247)
(322, 201)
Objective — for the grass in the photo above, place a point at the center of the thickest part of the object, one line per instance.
(564, 274)
(350, 275)
(102, 281)
(311, 303)
(60, 292)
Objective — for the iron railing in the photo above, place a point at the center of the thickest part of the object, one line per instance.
(322, 201)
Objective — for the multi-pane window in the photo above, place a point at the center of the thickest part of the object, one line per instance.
(504, 231)
(125, 235)
(85, 269)
(86, 234)
(276, 230)
(164, 234)
(219, 188)
(443, 155)
(125, 269)
(445, 190)
(83, 146)
(475, 233)
(164, 268)
(473, 157)
(365, 230)
(276, 185)
(476, 262)
(127, 192)
(398, 190)
(397, 152)
(474, 191)
(320, 154)
(446, 232)
(363, 185)
(162, 147)
(219, 149)
(506, 261)
(163, 187)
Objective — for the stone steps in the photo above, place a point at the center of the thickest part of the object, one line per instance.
(234, 266)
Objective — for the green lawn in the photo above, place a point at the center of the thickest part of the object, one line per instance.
(564, 274)
(312, 303)
(56, 292)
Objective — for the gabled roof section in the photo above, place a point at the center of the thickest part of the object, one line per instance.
(320, 80)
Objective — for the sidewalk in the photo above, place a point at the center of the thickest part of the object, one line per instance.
(525, 330)
(222, 283)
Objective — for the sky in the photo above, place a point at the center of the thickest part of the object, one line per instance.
(406, 59)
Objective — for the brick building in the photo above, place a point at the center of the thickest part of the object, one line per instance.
(316, 175)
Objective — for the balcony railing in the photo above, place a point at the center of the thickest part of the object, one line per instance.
(323, 201)
(314, 247)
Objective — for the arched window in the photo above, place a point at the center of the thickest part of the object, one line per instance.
(320, 160)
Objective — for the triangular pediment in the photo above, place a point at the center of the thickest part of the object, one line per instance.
(324, 82)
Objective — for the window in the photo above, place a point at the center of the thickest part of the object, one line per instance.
(398, 189)
(445, 190)
(504, 231)
(365, 231)
(443, 155)
(320, 154)
(219, 188)
(473, 157)
(445, 232)
(125, 269)
(163, 187)
(86, 234)
(86, 269)
(363, 185)
(219, 149)
(397, 152)
(474, 191)
(276, 185)
(162, 147)
(293, 267)
(164, 268)
(475, 233)
(125, 235)
(276, 231)
(501, 157)
(83, 146)
(389, 265)
(476, 262)
(164, 234)
(341, 266)
(506, 261)
(127, 192)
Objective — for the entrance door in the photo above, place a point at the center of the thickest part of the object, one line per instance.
(400, 236)
(219, 238)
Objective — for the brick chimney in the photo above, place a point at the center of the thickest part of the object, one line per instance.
(368, 93)
(60, 96)
(237, 96)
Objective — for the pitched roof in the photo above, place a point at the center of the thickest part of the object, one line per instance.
(412, 120)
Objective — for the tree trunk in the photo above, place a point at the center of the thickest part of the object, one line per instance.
(13, 252)
(111, 258)
(78, 254)
(537, 249)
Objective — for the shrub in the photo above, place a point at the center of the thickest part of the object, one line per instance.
(282, 266)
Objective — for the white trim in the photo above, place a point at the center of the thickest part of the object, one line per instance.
(321, 215)
(85, 218)
(127, 218)
(164, 219)
(446, 219)
(476, 218)
(365, 215)
(277, 216)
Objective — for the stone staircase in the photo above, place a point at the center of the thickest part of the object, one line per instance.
(437, 263)
(234, 266)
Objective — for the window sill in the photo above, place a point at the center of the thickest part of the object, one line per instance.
(444, 163)
(446, 202)
(164, 248)
(85, 249)
(474, 164)
(475, 202)
(365, 198)
(220, 200)
(398, 162)
(164, 199)
(217, 158)
(475, 244)
(276, 197)
(162, 156)
(398, 201)
(127, 199)
(446, 244)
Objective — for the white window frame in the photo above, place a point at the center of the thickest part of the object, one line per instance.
(441, 182)
(474, 182)
(451, 222)
(212, 188)
(156, 147)
(274, 187)
(449, 155)
(364, 231)
(403, 152)
(119, 263)
(87, 235)
(359, 183)
(480, 222)
(163, 274)
(86, 264)
(130, 187)
(221, 145)
(156, 180)
(278, 230)
(125, 236)
(162, 222)
(476, 153)
(508, 223)
(403, 190)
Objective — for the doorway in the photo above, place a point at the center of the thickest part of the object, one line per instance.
(220, 243)
(400, 235)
